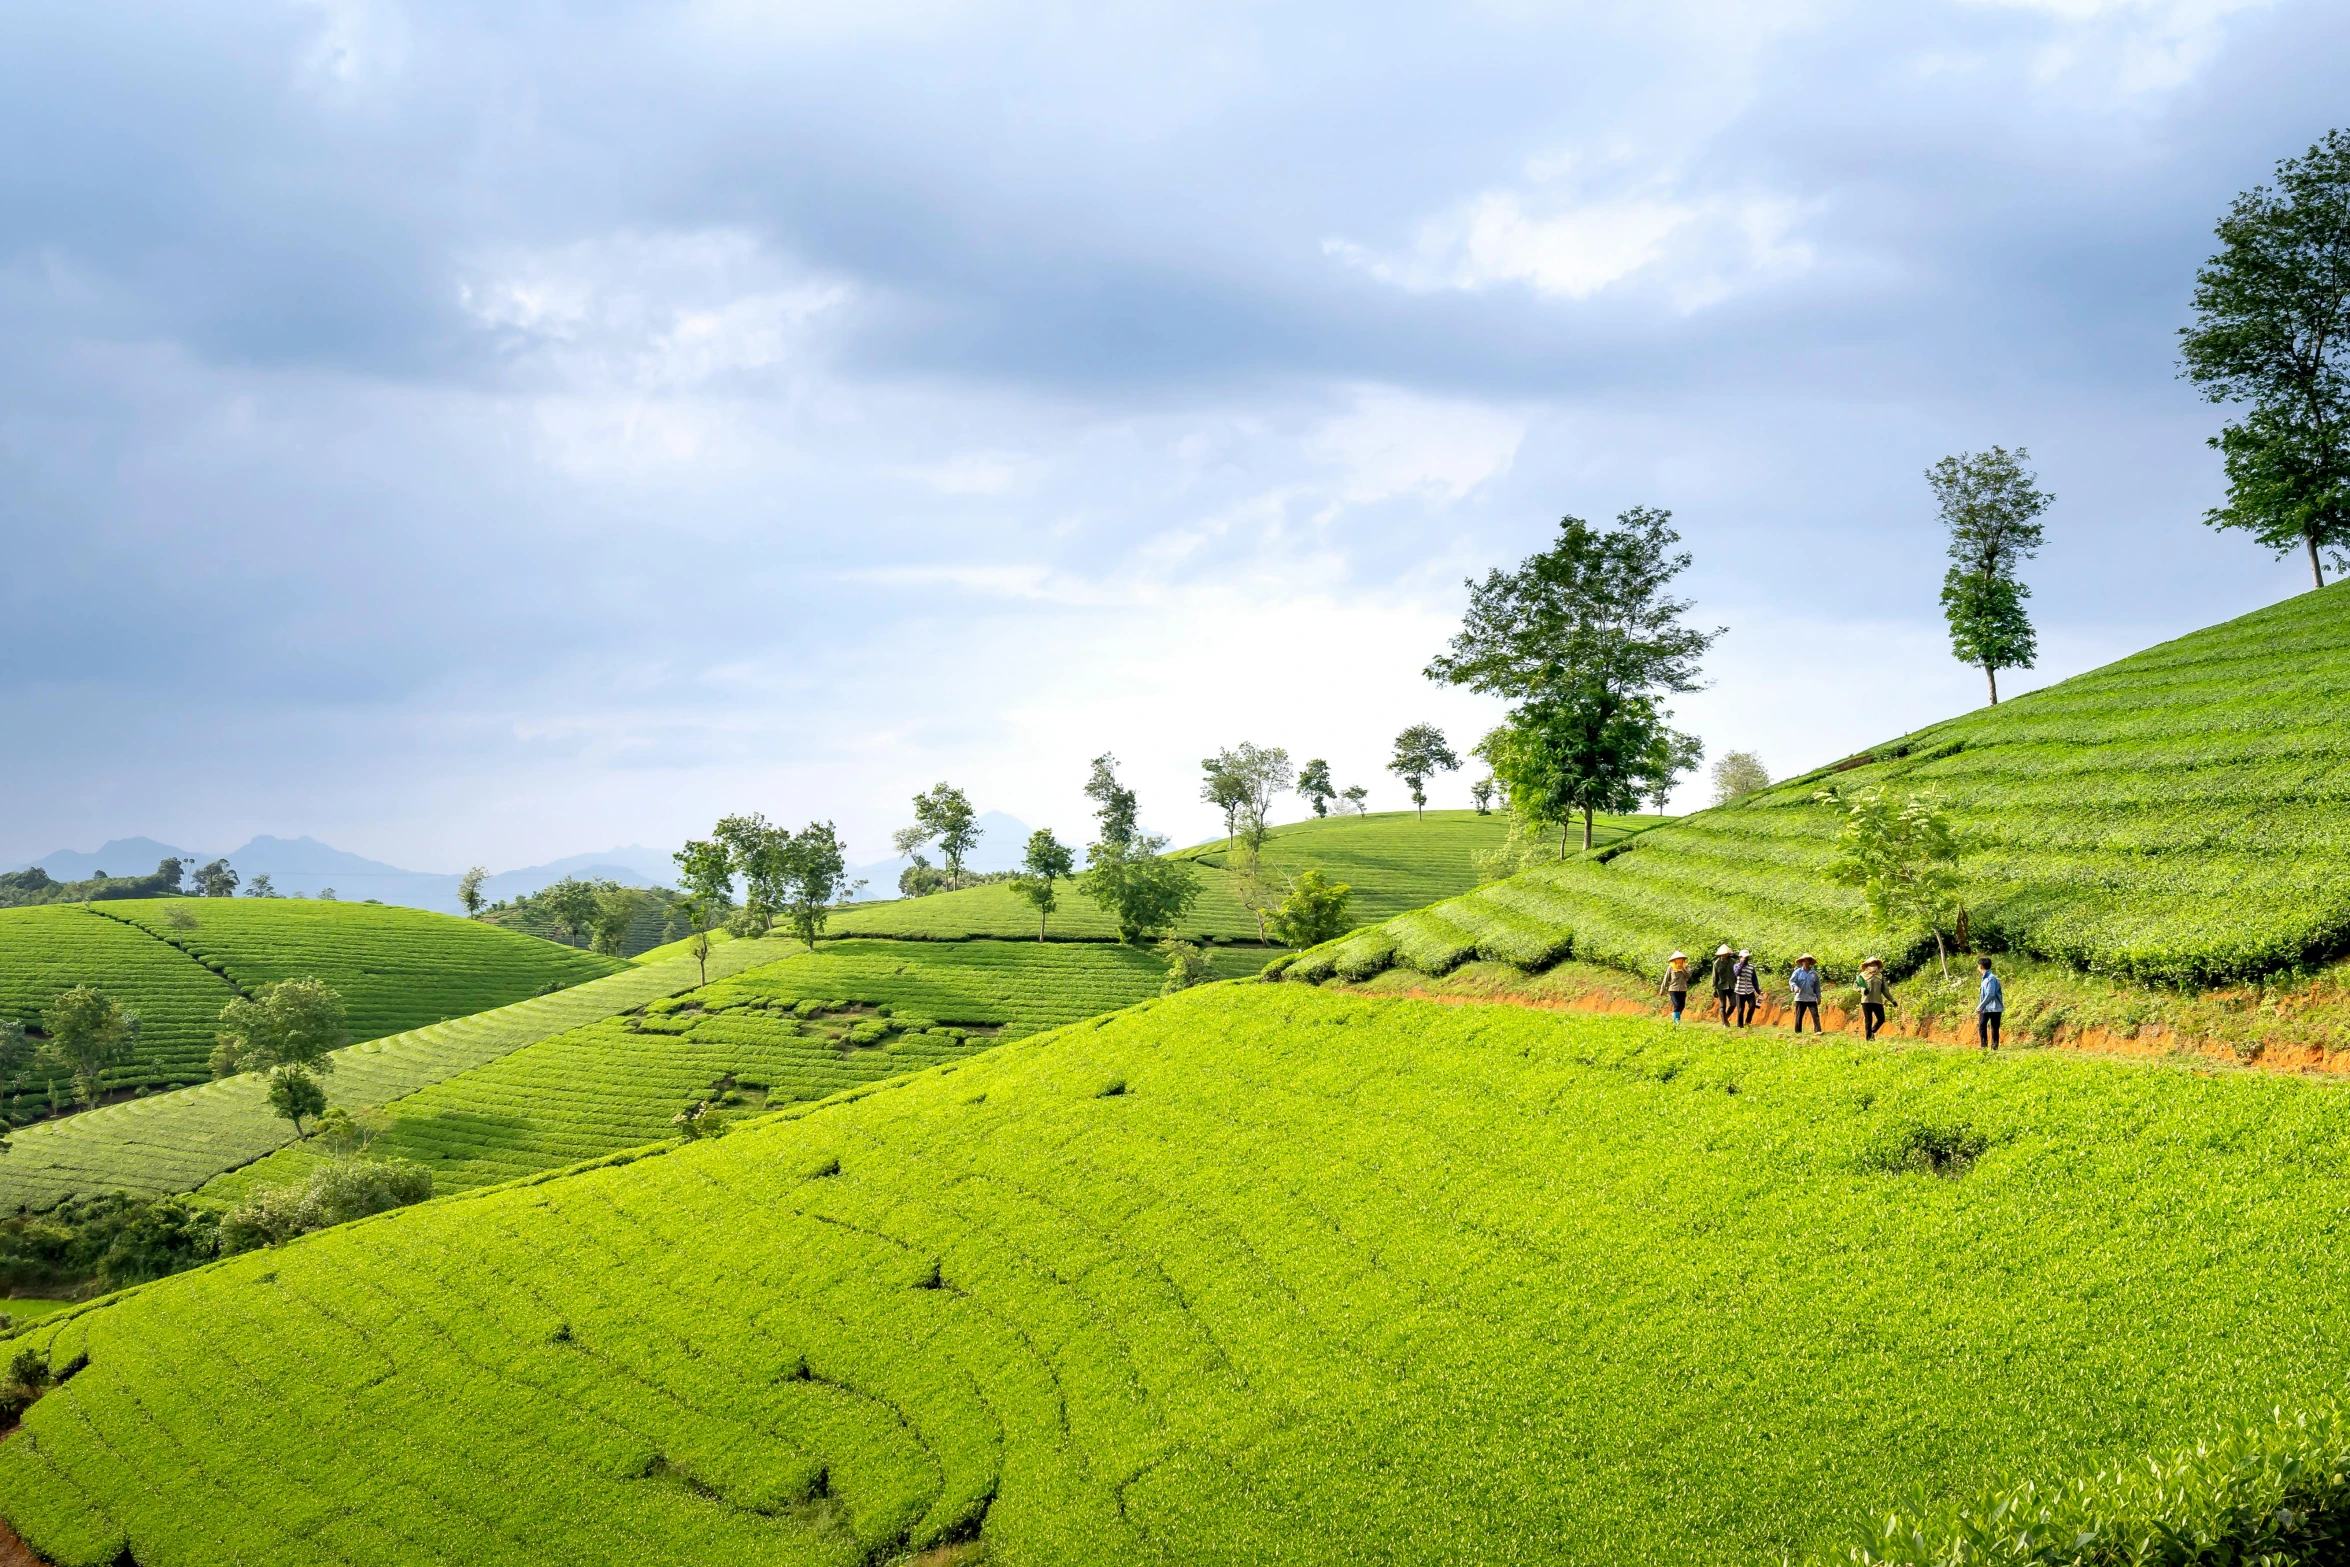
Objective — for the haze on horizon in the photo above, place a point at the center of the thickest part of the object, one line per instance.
(464, 435)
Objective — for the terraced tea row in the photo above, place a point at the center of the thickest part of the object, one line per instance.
(803, 1028)
(52, 948)
(175, 1142)
(2175, 818)
(1252, 1274)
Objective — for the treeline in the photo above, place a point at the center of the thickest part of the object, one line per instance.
(597, 915)
(172, 878)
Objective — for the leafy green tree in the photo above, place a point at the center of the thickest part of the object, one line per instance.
(1314, 912)
(88, 1032)
(1481, 795)
(706, 870)
(469, 895)
(1585, 639)
(759, 852)
(1224, 789)
(1989, 501)
(1264, 772)
(946, 817)
(1901, 850)
(571, 905)
(1670, 754)
(216, 879)
(814, 867)
(1113, 803)
(1047, 863)
(1141, 892)
(287, 1030)
(1186, 966)
(616, 909)
(260, 887)
(1421, 752)
(1358, 797)
(1737, 773)
(2272, 332)
(1313, 781)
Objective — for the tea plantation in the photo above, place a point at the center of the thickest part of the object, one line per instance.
(175, 1142)
(1392, 860)
(2175, 818)
(396, 968)
(1255, 1273)
(799, 1029)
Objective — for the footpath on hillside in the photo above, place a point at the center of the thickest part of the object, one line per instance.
(175, 1142)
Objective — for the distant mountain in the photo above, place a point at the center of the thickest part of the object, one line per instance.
(116, 857)
(1002, 841)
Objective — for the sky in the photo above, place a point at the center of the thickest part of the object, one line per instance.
(484, 433)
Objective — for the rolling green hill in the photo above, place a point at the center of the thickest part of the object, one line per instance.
(1252, 1274)
(617, 1083)
(2176, 818)
(174, 1142)
(1393, 861)
(397, 968)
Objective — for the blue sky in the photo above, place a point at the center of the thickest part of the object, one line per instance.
(484, 433)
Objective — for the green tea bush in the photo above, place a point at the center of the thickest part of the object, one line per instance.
(336, 1193)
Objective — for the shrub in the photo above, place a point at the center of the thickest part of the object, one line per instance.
(1918, 1148)
(336, 1193)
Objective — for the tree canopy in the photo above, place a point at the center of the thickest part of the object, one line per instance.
(1990, 504)
(944, 816)
(88, 1032)
(1421, 752)
(1048, 862)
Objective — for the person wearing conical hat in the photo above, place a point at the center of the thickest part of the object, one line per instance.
(1804, 981)
(1748, 985)
(1676, 985)
(1876, 994)
(1725, 982)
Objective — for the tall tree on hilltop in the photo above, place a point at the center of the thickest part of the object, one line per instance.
(1989, 502)
(758, 851)
(1225, 789)
(1313, 782)
(1421, 752)
(946, 817)
(813, 867)
(571, 905)
(1583, 639)
(216, 879)
(1047, 863)
(88, 1032)
(1737, 773)
(1113, 803)
(469, 896)
(287, 1031)
(2272, 332)
(1124, 875)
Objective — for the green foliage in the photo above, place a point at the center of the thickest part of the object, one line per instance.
(813, 869)
(1901, 850)
(1421, 752)
(216, 879)
(1358, 799)
(1331, 1280)
(1481, 794)
(104, 1243)
(291, 1022)
(294, 1094)
(469, 894)
(1114, 803)
(1186, 966)
(1989, 503)
(335, 1193)
(1315, 910)
(1139, 892)
(1047, 862)
(616, 908)
(89, 1032)
(1313, 782)
(944, 816)
(2272, 332)
(1737, 773)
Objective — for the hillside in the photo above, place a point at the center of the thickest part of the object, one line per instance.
(1392, 860)
(1250, 1274)
(174, 1142)
(2172, 819)
(396, 968)
(803, 1027)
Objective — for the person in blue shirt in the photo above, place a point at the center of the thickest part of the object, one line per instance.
(1988, 1008)
(1805, 982)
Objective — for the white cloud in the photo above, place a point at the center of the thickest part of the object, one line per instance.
(975, 473)
(1394, 442)
(2133, 47)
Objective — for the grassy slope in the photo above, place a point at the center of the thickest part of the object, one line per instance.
(175, 1142)
(1393, 861)
(2176, 817)
(1332, 1279)
(616, 1084)
(54, 947)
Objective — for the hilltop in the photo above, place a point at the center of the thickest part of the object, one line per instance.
(2173, 819)
(1254, 1273)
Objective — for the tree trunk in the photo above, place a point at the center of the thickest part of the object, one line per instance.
(1586, 831)
(1562, 843)
(2309, 538)
(1040, 916)
(1992, 675)
(1945, 956)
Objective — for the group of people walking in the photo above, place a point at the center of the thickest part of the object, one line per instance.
(1738, 992)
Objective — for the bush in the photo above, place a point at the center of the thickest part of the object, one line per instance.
(1920, 1149)
(335, 1194)
(105, 1243)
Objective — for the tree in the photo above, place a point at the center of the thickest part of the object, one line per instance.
(758, 851)
(168, 872)
(572, 905)
(1737, 773)
(88, 1032)
(216, 880)
(813, 868)
(1224, 789)
(1421, 753)
(1314, 911)
(1113, 803)
(946, 816)
(1358, 797)
(2272, 331)
(1186, 966)
(706, 871)
(295, 1094)
(259, 887)
(469, 895)
(1585, 639)
(1313, 781)
(1141, 892)
(1481, 795)
(1263, 772)
(1988, 502)
(1670, 755)
(1047, 862)
(1901, 851)
(17, 1051)
(293, 1022)
(616, 910)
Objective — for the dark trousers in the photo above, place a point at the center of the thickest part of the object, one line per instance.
(1725, 1003)
(1813, 1007)
(1746, 1006)
(1987, 1030)
(1680, 999)
(1872, 1017)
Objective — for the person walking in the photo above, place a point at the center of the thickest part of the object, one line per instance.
(1990, 1006)
(1804, 981)
(1746, 986)
(1676, 985)
(1725, 982)
(1875, 996)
